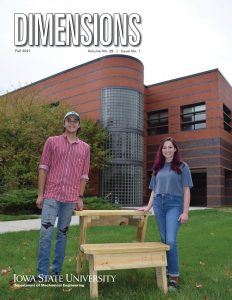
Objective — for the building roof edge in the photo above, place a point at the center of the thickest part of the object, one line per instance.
(76, 67)
(188, 76)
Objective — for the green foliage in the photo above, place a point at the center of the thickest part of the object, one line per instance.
(99, 203)
(25, 124)
(22, 201)
(95, 136)
(18, 201)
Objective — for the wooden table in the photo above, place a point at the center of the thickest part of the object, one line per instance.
(90, 218)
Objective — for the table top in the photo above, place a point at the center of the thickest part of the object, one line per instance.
(118, 212)
(123, 247)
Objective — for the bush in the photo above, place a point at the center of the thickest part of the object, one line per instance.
(23, 201)
(20, 201)
(99, 203)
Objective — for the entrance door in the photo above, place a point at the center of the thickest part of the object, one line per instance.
(199, 190)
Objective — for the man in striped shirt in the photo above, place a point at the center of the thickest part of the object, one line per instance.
(63, 173)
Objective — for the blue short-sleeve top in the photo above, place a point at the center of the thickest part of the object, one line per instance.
(167, 181)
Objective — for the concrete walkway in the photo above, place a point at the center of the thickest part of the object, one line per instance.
(26, 225)
(34, 224)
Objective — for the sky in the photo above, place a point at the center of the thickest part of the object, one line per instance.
(179, 38)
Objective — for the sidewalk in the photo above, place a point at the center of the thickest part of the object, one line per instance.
(26, 225)
(34, 224)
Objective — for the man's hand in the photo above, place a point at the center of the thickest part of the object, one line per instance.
(39, 202)
(80, 205)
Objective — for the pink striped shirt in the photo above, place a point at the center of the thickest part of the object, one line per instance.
(66, 165)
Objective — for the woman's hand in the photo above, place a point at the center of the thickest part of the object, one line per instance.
(144, 208)
(183, 218)
(149, 205)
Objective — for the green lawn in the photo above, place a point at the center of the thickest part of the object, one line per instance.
(205, 259)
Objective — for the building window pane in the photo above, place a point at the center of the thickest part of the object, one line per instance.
(193, 117)
(200, 117)
(227, 118)
(157, 122)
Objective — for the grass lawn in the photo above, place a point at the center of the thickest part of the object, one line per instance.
(205, 260)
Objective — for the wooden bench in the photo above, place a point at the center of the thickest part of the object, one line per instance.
(90, 218)
(126, 256)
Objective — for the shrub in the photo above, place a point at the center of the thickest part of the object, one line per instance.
(20, 201)
(23, 201)
(99, 203)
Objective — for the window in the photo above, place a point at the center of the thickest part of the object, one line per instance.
(193, 117)
(227, 118)
(157, 122)
(122, 108)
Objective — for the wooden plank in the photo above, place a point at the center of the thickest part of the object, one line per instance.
(93, 285)
(116, 220)
(119, 212)
(136, 220)
(81, 240)
(141, 231)
(161, 278)
(115, 261)
(109, 220)
(123, 247)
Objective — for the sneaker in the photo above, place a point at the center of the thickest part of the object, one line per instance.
(172, 285)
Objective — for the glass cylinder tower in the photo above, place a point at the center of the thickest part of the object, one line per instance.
(122, 116)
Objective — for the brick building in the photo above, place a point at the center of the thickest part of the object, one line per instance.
(195, 110)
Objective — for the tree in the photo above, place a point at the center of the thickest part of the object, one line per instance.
(25, 123)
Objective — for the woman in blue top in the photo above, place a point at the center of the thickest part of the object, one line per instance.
(170, 197)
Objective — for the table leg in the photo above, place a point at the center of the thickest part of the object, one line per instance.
(81, 240)
(142, 227)
(93, 284)
(161, 278)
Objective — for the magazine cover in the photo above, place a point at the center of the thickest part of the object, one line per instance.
(115, 149)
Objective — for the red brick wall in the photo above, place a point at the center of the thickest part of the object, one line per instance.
(201, 149)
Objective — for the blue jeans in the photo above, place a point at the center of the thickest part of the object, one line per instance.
(52, 209)
(167, 209)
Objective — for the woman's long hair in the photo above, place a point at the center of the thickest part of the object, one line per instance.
(160, 159)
